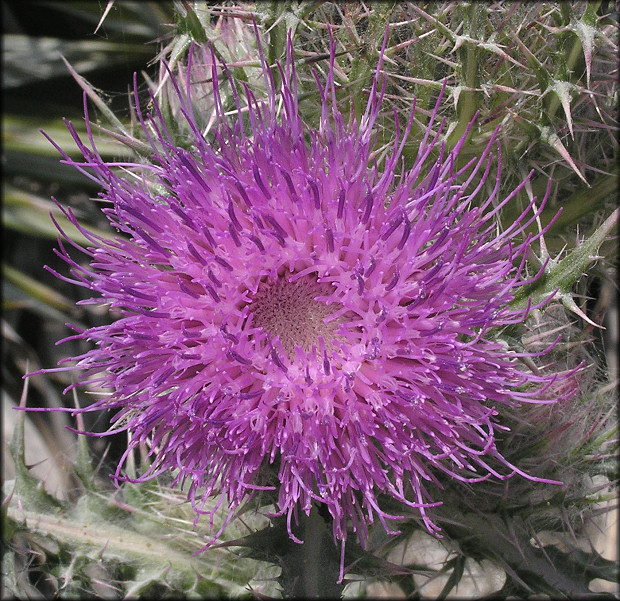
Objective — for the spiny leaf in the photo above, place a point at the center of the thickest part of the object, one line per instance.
(564, 90)
(28, 489)
(457, 565)
(562, 275)
(586, 35)
(586, 32)
(508, 539)
(549, 136)
(488, 46)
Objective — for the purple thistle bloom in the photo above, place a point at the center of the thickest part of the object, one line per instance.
(285, 303)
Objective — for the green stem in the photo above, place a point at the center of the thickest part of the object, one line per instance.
(467, 103)
(311, 570)
(310, 578)
(469, 97)
(364, 62)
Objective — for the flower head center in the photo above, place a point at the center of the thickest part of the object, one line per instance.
(291, 311)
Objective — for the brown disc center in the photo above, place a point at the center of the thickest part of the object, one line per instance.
(290, 311)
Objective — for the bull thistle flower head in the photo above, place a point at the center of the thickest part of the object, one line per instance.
(298, 314)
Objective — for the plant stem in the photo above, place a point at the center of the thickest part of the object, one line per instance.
(311, 570)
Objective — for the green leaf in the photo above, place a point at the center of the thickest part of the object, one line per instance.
(542, 75)
(507, 539)
(21, 134)
(583, 202)
(189, 23)
(36, 289)
(29, 60)
(562, 275)
(30, 214)
(28, 489)
(583, 566)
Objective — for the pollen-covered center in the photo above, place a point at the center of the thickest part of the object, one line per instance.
(290, 311)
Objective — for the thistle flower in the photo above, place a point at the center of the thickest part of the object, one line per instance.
(295, 316)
